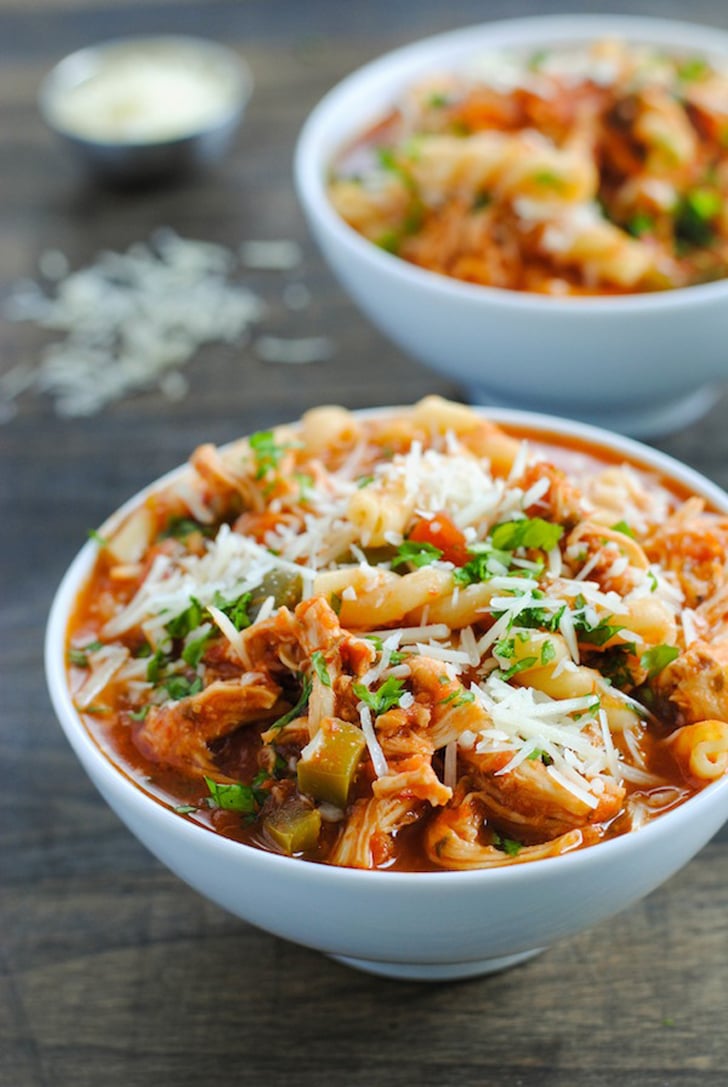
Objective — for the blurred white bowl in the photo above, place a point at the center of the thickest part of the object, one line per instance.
(146, 108)
(641, 363)
(420, 925)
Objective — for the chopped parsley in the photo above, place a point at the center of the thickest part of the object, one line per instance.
(232, 796)
(694, 217)
(297, 710)
(236, 610)
(507, 845)
(382, 700)
(266, 451)
(657, 658)
(187, 620)
(547, 652)
(416, 554)
(79, 655)
(615, 666)
(519, 666)
(505, 648)
(305, 486)
(364, 481)
(528, 532)
(458, 698)
(597, 633)
(623, 527)
(193, 652)
(537, 59)
(389, 241)
(549, 179)
(692, 68)
(141, 714)
(537, 754)
(438, 100)
(319, 667)
(178, 686)
(156, 665)
(640, 223)
(481, 201)
(181, 527)
(487, 562)
(396, 656)
(97, 538)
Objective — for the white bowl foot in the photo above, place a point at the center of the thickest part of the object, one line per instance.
(642, 422)
(448, 971)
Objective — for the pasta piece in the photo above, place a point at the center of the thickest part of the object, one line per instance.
(374, 211)
(520, 165)
(701, 751)
(382, 597)
(326, 428)
(380, 511)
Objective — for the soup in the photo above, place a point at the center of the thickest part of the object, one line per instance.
(597, 169)
(412, 640)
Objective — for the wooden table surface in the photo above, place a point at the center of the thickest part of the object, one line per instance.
(111, 970)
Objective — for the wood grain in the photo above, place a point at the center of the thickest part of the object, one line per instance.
(111, 970)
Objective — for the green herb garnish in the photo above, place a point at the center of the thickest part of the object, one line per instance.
(549, 179)
(507, 845)
(640, 223)
(657, 658)
(319, 667)
(547, 652)
(297, 710)
(193, 652)
(487, 562)
(236, 610)
(416, 554)
(97, 538)
(140, 715)
(692, 68)
(694, 217)
(181, 527)
(266, 451)
(79, 655)
(481, 201)
(187, 620)
(178, 686)
(529, 532)
(382, 700)
(519, 666)
(232, 797)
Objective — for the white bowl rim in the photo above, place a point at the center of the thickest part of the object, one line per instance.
(309, 170)
(233, 852)
(57, 79)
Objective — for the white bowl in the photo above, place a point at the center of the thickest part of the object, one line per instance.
(427, 925)
(641, 363)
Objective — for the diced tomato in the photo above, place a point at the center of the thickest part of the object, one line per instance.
(442, 532)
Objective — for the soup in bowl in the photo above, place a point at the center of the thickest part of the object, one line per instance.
(417, 664)
(537, 208)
